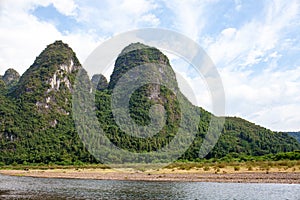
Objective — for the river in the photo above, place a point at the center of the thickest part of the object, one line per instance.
(49, 188)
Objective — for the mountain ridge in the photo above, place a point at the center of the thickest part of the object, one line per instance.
(37, 124)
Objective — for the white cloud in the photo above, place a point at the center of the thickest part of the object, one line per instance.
(252, 42)
(23, 36)
(66, 7)
(238, 5)
(194, 88)
(269, 97)
(189, 17)
(116, 16)
(136, 7)
(149, 19)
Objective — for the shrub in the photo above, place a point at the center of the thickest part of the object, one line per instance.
(236, 168)
(206, 168)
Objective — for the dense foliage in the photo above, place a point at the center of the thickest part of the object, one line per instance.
(36, 124)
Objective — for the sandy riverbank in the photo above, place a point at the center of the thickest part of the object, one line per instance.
(226, 175)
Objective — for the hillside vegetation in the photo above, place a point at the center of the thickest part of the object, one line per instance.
(37, 126)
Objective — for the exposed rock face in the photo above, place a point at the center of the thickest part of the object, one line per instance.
(60, 77)
(36, 112)
(48, 82)
(52, 69)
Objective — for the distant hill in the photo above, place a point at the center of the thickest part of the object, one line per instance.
(36, 124)
(9, 79)
(295, 135)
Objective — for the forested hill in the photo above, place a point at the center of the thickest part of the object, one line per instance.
(36, 124)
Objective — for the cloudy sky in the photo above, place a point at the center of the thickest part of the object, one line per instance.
(255, 45)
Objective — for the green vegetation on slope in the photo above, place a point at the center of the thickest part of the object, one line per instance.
(36, 124)
(36, 120)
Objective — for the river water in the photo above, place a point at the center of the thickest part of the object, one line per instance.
(49, 188)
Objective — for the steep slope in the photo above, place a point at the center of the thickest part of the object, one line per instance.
(238, 135)
(48, 82)
(53, 70)
(41, 127)
(147, 73)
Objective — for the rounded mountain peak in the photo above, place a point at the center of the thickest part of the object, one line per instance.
(57, 53)
(137, 54)
(53, 70)
(11, 77)
(133, 46)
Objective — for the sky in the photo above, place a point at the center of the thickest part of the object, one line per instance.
(255, 45)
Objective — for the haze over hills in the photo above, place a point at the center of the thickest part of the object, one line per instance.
(37, 126)
(295, 135)
(10, 77)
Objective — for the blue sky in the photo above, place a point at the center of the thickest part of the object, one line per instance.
(255, 45)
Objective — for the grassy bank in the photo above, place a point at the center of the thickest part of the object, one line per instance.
(248, 166)
(289, 161)
(246, 172)
(210, 167)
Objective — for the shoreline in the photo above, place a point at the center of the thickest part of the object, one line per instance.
(166, 175)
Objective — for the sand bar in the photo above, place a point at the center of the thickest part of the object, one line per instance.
(162, 175)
